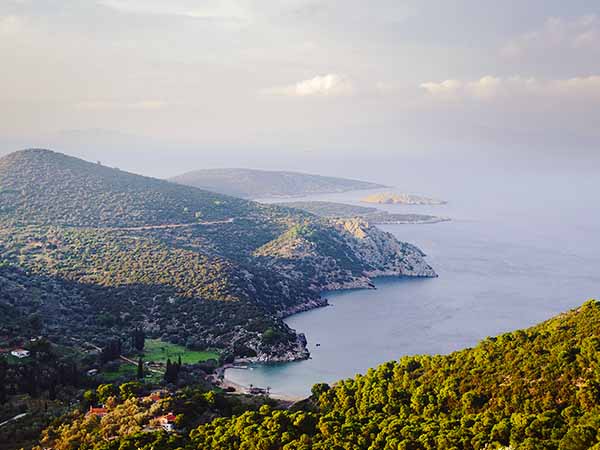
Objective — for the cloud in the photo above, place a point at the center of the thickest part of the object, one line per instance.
(107, 104)
(577, 34)
(490, 88)
(324, 85)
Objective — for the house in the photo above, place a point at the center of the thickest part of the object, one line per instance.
(98, 412)
(20, 353)
(167, 422)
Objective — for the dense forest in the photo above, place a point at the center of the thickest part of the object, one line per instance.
(537, 388)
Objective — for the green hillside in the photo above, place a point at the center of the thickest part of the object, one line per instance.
(537, 388)
(46, 187)
(181, 262)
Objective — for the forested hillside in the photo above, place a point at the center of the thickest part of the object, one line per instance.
(184, 264)
(530, 389)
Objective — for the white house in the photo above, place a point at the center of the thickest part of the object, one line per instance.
(20, 353)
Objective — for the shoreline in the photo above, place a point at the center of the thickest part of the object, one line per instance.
(221, 380)
(241, 389)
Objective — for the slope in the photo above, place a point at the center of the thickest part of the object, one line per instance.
(250, 183)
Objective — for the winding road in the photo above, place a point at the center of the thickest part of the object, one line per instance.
(172, 225)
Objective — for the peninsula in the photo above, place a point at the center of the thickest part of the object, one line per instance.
(251, 183)
(391, 198)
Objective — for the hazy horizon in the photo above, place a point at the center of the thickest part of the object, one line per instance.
(160, 88)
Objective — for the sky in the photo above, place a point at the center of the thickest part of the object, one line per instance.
(160, 87)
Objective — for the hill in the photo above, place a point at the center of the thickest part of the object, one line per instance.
(189, 266)
(250, 183)
(537, 388)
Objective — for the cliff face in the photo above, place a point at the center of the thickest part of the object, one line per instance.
(367, 252)
(383, 252)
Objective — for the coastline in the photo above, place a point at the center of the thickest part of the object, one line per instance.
(240, 389)
(221, 380)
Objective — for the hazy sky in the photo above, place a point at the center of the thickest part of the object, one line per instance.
(265, 83)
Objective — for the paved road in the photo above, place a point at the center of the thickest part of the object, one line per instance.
(17, 417)
(172, 225)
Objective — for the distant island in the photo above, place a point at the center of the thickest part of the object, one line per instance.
(391, 198)
(372, 215)
(250, 183)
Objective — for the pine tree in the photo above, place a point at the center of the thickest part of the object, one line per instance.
(168, 371)
(140, 369)
(138, 339)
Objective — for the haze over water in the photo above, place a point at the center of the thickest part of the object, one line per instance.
(517, 251)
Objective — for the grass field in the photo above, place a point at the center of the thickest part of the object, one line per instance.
(156, 350)
(128, 370)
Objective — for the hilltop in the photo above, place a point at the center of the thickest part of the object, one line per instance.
(250, 183)
(187, 265)
(44, 187)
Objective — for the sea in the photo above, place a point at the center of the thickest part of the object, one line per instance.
(517, 251)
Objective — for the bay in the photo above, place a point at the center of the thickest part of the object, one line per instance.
(503, 265)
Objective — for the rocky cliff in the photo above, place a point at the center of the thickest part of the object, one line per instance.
(367, 252)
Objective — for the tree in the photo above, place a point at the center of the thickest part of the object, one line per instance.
(138, 339)
(90, 397)
(130, 390)
(140, 369)
(105, 391)
(172, 372)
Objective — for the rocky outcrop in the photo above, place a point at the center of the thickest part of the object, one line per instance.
(363, 253)
(304, 306)
(383, 252)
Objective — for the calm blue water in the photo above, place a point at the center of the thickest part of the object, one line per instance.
(503, 264)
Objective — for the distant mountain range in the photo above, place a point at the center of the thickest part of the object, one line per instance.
(249, 183)
(106, 251)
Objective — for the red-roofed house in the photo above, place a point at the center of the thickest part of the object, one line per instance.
(167, 422)
(98, 412)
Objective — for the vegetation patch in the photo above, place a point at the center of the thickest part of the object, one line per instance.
(158, 351)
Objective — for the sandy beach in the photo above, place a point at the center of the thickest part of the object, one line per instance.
(241, 389)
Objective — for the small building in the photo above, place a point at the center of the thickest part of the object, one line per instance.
(167, 422)
(98, 412)
(20, 353)
(92, 372)
(253, 390)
